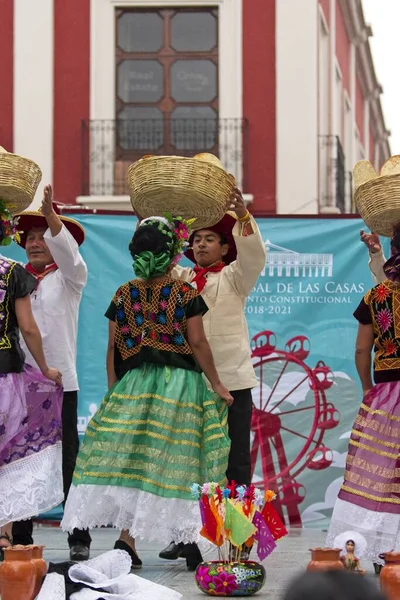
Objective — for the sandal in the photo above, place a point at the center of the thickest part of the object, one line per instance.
(9, 540)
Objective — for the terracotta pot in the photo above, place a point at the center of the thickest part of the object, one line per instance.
(230, 579)
(325, 559)
(41, 567)
(17, 574)
(390, 575)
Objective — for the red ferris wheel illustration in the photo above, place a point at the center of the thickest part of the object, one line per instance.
(291, 415)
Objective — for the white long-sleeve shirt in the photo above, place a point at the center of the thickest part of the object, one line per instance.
(225, 294)
(55, 306)
(376, 262)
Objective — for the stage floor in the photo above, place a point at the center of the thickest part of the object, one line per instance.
(290, 558)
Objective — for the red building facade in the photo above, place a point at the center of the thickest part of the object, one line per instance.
(90, 85)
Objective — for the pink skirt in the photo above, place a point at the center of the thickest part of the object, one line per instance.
(369, 499)
(30, 445)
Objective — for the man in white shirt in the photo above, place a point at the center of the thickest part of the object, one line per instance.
(52, 247)
(228, 259)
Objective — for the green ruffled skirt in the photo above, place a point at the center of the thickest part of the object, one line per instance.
(159, 430)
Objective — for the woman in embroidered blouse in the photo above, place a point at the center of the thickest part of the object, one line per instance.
(158, 429)
(30, 404)
(369, 499)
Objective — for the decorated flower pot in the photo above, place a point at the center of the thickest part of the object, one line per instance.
(230, 578)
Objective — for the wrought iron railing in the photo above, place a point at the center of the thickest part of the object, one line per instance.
(110, 146)
(335, 183)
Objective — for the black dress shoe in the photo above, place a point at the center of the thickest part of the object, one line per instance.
(193, 556)
(136, 562)
(79, 552)
(173, 551)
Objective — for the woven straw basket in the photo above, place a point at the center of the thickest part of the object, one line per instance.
(377, 196)
(19, 179)
(189, 187)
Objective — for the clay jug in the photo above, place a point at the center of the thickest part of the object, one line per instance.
(325, 559)
(17, 574)
(390, 575)
(41, 567)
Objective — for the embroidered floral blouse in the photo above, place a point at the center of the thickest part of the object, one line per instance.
(151, 324)
(380, 308)
(15, 282)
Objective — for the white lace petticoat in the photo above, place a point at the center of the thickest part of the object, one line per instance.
(381, 530)
(111, 573)
(145, 515)
(31, 485)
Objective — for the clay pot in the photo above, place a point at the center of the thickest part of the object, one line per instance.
(390, 575)
(230, 578)
(41, 567)
(17, 574)
(325, 559)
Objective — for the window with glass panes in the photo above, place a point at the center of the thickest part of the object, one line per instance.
(166, 81)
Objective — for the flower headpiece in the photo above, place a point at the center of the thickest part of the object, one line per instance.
(8, 226)
(177, 228)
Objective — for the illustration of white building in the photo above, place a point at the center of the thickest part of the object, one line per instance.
(282, 262)
(84, 421)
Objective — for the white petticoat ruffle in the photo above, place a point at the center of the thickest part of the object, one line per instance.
(31, 485)
(381, 530)
(145, 515)
(53, 588)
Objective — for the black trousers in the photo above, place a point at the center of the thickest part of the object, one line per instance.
(239, 423)
(22, 530)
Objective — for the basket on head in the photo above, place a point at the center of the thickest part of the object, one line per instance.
(195, 187)
(19, 179)
(377, 196)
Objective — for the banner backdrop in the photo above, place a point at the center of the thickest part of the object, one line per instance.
(303, 334)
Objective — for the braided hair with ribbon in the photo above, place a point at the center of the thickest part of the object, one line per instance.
(158, 243)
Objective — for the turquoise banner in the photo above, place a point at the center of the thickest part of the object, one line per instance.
(303, 335)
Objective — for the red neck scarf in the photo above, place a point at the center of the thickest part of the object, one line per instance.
(200, 279)
(41, 275)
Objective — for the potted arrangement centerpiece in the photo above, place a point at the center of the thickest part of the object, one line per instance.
(235, 519)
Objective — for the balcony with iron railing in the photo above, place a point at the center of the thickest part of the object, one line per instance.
(335, 183)
(110, 146)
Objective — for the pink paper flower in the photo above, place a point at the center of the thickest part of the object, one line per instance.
(136, 307)
(384, 319)
(163, 305)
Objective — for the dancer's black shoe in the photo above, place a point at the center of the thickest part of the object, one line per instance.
(172, 552)
(193, 556)
(136, 562)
